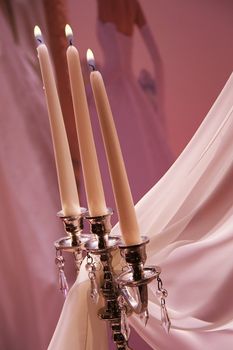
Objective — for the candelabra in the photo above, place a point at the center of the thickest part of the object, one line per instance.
(124, 293)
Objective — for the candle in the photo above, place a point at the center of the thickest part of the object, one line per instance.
(66, 179)
(122, 193)
(90, 166)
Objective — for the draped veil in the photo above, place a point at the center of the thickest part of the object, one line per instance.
(188, 218)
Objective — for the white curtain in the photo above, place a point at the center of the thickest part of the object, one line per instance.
(188, 218)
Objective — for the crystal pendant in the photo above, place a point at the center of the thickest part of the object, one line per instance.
(166, 323)
(60, 262)
(144, 316)
(125, 329)
(63, 282)
(78, 260)
(94, 288)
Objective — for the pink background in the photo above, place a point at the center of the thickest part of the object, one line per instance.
(195, 41)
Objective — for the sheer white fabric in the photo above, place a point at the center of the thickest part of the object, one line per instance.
(188, 217)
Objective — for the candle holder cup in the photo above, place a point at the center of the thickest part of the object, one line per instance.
(134, 280)
(73, 226)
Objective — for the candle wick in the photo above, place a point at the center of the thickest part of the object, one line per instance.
(39, 40)
(70, 41)
(92, 66)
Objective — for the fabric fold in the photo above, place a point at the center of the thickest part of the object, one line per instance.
(188, 216)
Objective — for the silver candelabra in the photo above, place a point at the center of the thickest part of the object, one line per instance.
(125, 292)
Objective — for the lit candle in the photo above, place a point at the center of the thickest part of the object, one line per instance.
(122, 193)
(65, 172)
(90, 166)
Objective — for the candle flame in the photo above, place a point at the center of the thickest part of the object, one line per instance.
(38, 34)
(69, 33)
(90, 59)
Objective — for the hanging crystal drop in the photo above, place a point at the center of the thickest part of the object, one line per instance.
(63, 282)
(125, 329)
(94, 288)
(90, 267)
(60, 262)
(144, 316)
(166, 323)
(78, 260)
